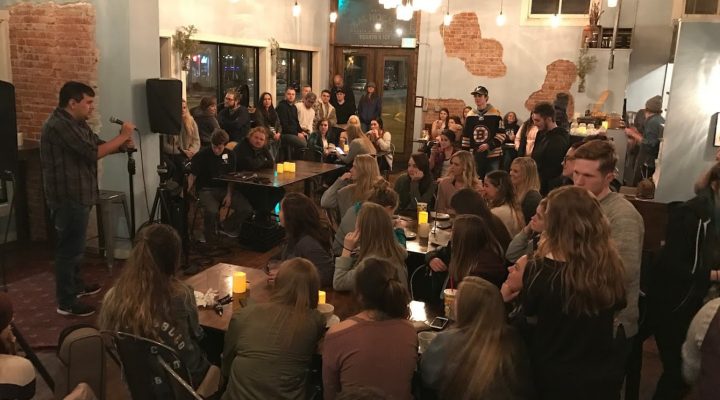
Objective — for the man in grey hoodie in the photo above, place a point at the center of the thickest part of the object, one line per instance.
(594, 170)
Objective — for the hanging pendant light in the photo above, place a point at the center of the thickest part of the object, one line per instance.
(447, 19)
(296, 9)
(612, 3)
(501, 19)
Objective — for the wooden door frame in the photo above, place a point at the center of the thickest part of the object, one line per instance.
(377, 69)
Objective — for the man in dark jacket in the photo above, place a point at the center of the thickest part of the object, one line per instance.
(339, 84)
(482, 134)
(551, 144)
(252, 154)
(293, 137)
(234, 118)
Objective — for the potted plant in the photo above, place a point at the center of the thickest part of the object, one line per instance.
(585, 65)
(184, 45)
(591, 32)
(274, 49)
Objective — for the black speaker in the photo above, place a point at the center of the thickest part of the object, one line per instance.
(8, 129)
(164, 103)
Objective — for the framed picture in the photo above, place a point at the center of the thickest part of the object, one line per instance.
(419, 101)
(715, 128)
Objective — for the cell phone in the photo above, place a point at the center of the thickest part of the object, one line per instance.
(438, 323)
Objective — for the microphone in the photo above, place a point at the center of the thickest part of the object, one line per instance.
(120, 122)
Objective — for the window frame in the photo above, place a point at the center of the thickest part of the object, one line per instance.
(220, 91)
(679, 12)
(529, 19)
(290, 52)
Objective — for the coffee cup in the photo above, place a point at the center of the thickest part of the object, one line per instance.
(424, 340)
(327, 310)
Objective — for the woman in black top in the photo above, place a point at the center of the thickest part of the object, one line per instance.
(206, 118)
(266, 116)
(417, 185)
(572, 288)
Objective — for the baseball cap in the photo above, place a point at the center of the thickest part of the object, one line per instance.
(480, 90)
(340, 90)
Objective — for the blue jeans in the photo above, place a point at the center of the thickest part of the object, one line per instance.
(70, 220)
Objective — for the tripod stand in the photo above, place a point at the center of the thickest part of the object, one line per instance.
(131, 175)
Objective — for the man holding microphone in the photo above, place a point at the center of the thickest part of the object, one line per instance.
(69, 151)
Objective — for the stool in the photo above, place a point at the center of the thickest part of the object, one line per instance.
(107, 226)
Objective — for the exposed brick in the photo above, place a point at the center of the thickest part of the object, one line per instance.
(560, 77)
(50, 44)
(463, 39)
(455, 106)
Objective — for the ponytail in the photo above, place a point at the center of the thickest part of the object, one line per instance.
(379, 288)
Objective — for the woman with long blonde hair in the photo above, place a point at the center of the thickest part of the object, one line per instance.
(178, 149)
(373, 237)
(359, 144)
(572, 288)
(499, 192)
(269, 346)
(526, 183)
(481, 357)
(461, 175)
(149, 300)
(352, 186)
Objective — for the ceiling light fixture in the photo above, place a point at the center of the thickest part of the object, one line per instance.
(447, 19)
(612, 3)
(501, 19)
(296, 9)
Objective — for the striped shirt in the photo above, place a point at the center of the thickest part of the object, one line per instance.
(68, 155)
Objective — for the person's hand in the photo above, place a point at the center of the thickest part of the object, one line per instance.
(438, 265)
(507, 293)
(346, 176)
(276, 136)
(416, 175)
(483, 147)
(435, 148)
(351, 240)
(128, 144)
(226, 200)
(511, 136)
(127, 130)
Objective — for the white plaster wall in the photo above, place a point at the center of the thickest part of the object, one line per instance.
(687, 146)
(252, 23)
(527, 52)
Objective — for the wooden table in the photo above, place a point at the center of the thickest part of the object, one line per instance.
(304, 171)
(219, 277)
(438, 237)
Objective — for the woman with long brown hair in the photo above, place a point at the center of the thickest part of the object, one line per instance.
(417, 185)
(352, 186)
(572, 289)
(461, 175)
(266, 116)
(359, 144)
(475, 251)
(206, 118)
(269, 346)
(308, 234)
(149, 300)
(481, 357)
(441, 153)
(378, 346)
(526, 184)
(499, 192)
(373, 237)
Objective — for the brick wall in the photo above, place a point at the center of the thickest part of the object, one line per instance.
(560, 77)
(463, 39)
(454, 105)
(49, 45)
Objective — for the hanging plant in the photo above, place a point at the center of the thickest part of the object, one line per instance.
(274, 49)
(585, 65)
(184, 45)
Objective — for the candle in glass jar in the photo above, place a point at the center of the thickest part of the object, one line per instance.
(422, 217)
(321, 297)
(239, 282)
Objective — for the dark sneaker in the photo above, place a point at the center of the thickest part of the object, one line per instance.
(89, 290)
(78, 310)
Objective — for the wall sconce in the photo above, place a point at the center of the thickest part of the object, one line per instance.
(612, 3)
(333, 17)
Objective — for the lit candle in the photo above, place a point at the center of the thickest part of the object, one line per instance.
(321, 297)
(239, 282)
(287, 166)
(422, 217)
(605, 124)
(290, 167)
(280, 168)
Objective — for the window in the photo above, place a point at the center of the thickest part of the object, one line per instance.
(549, 7)
(217, 68)
(294, 69)
(701, 7)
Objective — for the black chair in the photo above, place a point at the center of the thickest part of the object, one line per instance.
(152, 370)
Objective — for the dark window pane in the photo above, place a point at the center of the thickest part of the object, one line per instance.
(202, 79)
(544, 6)
(701, 6)
(238, 69)
(575, 6)
(294, 69)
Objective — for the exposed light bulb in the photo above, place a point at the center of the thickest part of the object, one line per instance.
(399, 32)
(500, 19)
(612, 3)
(296, 10)
(378, 26)
(388, 4)
(447, 19)
(333, 17)
(555, 20)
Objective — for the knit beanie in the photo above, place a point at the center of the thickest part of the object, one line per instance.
(6, 311)
(654, 105)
